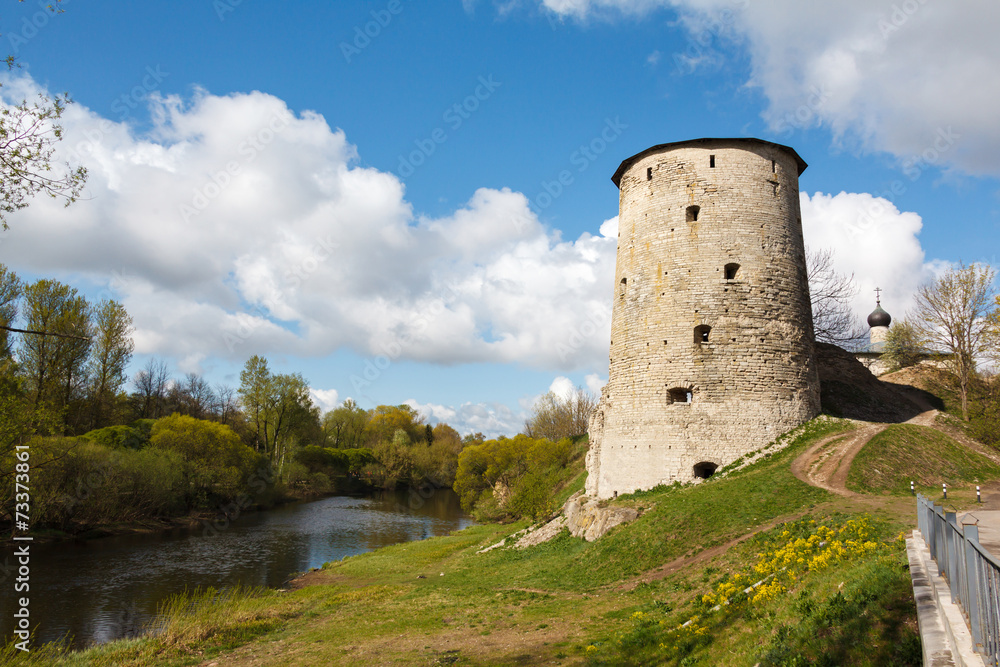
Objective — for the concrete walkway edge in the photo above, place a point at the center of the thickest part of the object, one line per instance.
(944, 634)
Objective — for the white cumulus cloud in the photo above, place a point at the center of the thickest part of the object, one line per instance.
(235, 226)
(326, 399)
(915, 78)
(871, 240)
(563, 388)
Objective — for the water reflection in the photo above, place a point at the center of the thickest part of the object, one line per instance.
(104, 589)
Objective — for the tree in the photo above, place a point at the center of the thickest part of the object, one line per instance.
(555, 418)
(111, 352)
(10, 293)
(193, 396)
(344, 427)
(292, 415)
(387, 419)
(255, 398)
(510, 475)
(217, 463)
(952, 314)
(278, 408)
(476, 438)
(55, 368)
(28, 135)
(439, 460)
(227, 406)
(151, 388)
(443, 433)
(395, 456)
(902, 346)
(830, 295)
(993, 332)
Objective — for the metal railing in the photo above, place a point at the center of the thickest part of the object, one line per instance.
(972, 573)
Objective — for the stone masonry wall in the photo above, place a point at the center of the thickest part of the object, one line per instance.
(755, 377)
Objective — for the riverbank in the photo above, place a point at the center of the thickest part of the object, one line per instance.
(105, 589)
(220, 516)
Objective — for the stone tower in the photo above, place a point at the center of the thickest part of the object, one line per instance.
(712, 349)
(878, 323)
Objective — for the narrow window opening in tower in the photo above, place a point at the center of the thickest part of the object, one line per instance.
(649, 173)
(692, 213)
(774, 167)
(621, 287)
(701, 333)
(705, 469)
(680, 395)
(731, 270)
(711, 161)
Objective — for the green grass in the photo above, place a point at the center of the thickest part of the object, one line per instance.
(855, 608)
(440, 602)
(907, 452)
(211, 620)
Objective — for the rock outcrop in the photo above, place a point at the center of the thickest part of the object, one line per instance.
(587, 519)
(543, 534)
(583, 516)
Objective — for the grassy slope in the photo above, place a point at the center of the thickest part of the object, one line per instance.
(905, 452)
(440, 600)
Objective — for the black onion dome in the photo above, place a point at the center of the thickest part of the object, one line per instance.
(879, 318)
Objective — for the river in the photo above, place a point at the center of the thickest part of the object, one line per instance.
(104, 589)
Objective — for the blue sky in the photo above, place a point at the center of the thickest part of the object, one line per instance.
(378, 211)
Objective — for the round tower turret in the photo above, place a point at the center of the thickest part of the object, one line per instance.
(712, 350)
(879, 322)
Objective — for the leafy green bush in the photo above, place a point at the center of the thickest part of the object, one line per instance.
(144, 426)
(217, 464)
(511, 477)
(357, 459)
(78, 483)
(322, 459)
(119, 437)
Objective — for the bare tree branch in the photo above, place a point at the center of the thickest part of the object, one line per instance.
(953, 314)
(44, 333)
(831, 294)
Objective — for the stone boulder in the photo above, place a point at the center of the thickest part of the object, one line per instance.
(585, 518)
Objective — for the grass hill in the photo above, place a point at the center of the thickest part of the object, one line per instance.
(750, 567)
(906, 452)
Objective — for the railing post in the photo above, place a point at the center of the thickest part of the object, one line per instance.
(929, 522)
(940, 550)
(922, 517)
(951, 545)
(975, 596)
(989, 611)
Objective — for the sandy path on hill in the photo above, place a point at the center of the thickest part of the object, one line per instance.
(827, 463)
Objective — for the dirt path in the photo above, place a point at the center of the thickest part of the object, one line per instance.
(827, 463)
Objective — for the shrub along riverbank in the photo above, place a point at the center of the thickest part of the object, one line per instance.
(835, 587)
(170, 468)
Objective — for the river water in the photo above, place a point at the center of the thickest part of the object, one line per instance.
(99, 590)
